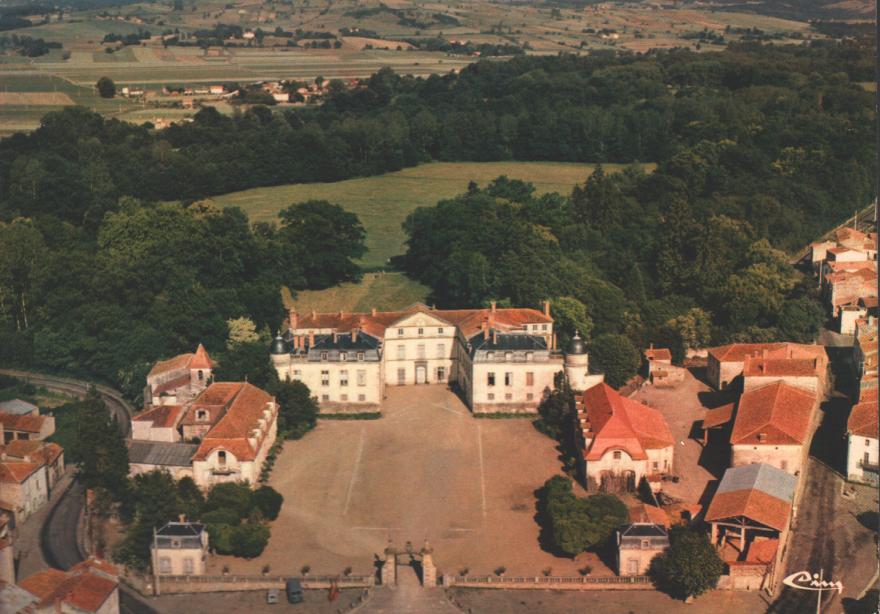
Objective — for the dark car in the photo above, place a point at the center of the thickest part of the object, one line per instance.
(294, 591)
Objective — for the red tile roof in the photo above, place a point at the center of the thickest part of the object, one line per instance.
(718, 416)
(28, 423)
(616, 422)
(16, 472)
(650, 514)
(658, 354)
(737, 352)
(40, 451)
(236, 426)
(779, 412)
(763, 551)
(759, 366)
(469, 321)
(753, 504)
(863, 419)
(197, 360)
(78, 588)
(163, 416)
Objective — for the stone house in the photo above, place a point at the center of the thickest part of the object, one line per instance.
(622, 441)
(24, 488)
(7, 553)
(50, 455)
(865, 355)
(179, 549)
(808, 373)
(179, 379)
(725, 363)
(26, 426)
(749, 518)
(499, 359)
(863, 442)
(772, 426)
(638, 542)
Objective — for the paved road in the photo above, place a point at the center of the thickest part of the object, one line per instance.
(408, 597)
(58, 537)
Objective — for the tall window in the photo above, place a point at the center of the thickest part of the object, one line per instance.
(441, 350)
(165, 564)
(325, 377)
(508, 379)
(201, 375)
(221, 458)
(441, 374)
(490, 379)
(323, 355)
(530, 378)
(401, 352)
(421, 331)
(401, 376)
(361, 377)
(420, 350)
(400, 332)
(343, 378)
(188, 566)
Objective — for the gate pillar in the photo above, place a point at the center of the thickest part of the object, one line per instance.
(429, 570)
(389, 569)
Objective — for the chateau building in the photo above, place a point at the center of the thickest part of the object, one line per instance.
(179, 379)
(500, 360)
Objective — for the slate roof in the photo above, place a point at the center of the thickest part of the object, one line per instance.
(161, 453)
(19, 407)
(503, 342)
(181, 529)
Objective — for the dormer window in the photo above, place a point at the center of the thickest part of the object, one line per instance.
(490, 355)
(324, 356)
(762, 436)
(400, 332)
(508, 356)
(175, 543)
(617, 455)
(201, 415)
(439, 331)
(221, 458)
(343, 356)
(360, 355)
(421, 331)
(529, 356)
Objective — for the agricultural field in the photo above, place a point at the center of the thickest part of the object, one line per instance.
(383, 34)
(383, 202)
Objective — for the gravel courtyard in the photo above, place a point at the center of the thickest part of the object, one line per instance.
(426, 469)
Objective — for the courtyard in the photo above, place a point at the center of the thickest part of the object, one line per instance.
(427, 469)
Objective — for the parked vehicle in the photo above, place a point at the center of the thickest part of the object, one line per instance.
(272, 596)
(294, 591)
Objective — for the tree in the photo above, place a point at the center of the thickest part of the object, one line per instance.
(556, 409)
(297, 408)
(100, 447)
(616, 357)
(689, 567)
(250, 362)
(106, 88)
(800, 319)
(268, 501)
(249, 540)
(241, 330)
(232, 496)
(190, 499)
(23, 259)
(692, 329)
(570, 316)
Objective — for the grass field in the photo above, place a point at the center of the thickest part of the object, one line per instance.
(384, 291)
(383, 202)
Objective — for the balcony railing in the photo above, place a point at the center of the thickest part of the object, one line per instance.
(869, 466)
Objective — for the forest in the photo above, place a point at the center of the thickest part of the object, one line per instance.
(760, 149)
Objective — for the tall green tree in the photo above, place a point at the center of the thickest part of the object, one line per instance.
(100, 447)
(689, 567)
(106, 88)
(616, 357)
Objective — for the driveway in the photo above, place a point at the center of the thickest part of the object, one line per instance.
(426, 470)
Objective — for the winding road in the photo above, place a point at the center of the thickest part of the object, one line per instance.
(58, 536)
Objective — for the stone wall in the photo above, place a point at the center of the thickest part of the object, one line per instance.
(212, 584)
(564, 583)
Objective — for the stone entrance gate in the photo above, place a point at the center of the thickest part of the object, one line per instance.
(421, 561)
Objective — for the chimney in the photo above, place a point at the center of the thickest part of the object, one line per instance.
(334, 336)
(492, 306)
(314, 314)
(311, 340)
(354, 335)
(373, 312)
(485, 327)
(494, 337)
(546, 305)
(181, 518)
(341, 313)
(293, 318)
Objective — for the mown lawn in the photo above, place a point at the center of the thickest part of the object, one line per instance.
(384, 201)
(386, 291)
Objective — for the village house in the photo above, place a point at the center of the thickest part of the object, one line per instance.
(863, 442)
(643, 538)
(661, 372)
(89, 587)
(7, 554)
(50, 455)
(223, 435)
(22, 420)
(622, 441)
(179, 379)
(24, 488)
(808, 373)
(501, 360)
(865, 355)
(749, 518)
(179, 549)
(725, 363)
(772, 426)
(847, 286)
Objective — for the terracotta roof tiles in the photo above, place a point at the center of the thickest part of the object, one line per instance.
(80, 588)
(28, 423)
(163, 416)
(863, 419)
(776, 414)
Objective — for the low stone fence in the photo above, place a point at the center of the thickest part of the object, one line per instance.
(213, 584)
(572, 583)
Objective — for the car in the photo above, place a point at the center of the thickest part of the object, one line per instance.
(272, 596)
(294, 591)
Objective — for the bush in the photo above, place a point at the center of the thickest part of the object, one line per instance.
(227, 517)
(232, 496)
(268, 501)
(249, 540)
(689, 567)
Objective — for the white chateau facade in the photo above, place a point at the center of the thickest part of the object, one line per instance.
(500, 360)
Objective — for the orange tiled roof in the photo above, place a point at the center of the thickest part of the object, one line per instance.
(652, 514)
(16, 472)
(469, 321)
(658, 354)
(621, 423)
(80, 589)
(28, 423)
(778, 411)
(197, 360)
(763, 551)
(232, 431)
(737, 352)
(757, 366)
(215, 400)
(718, 416)
(863, 419)
(836, 266)
(42, 451)
(751, 503)
(163, 416)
